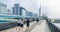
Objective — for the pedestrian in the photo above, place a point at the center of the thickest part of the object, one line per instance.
(28, 24)
(37, 20)
(19, 24)
(22, 23)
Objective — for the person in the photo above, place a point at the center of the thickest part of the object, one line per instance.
(37, 20)
(28, 24)
(22, 22)
(19, 24)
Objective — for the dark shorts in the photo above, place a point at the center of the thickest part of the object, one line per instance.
(21, 25)
(28, 25)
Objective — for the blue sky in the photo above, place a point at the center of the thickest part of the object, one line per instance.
(49, 7)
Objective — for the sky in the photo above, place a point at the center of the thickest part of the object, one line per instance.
(31, 5)
(49, 7)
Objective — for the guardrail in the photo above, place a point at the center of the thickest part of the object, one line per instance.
(52, 27)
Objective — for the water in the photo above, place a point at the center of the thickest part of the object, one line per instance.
(57, 25)
(54, 27)
(4, 21)
(4, 24)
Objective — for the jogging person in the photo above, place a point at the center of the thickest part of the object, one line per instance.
(28, 24)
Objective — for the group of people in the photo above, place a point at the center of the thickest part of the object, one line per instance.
(21, 24)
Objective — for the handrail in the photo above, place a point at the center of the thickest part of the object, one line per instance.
(53, 27)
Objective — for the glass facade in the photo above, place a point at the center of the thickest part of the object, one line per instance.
(3, 8)
(30, 14)
(35, 15)
(20, 10)
(16, 9)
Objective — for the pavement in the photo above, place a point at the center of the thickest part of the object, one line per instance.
(14, 28)
(41, 26)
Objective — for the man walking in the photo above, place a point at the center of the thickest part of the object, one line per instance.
(28, 24)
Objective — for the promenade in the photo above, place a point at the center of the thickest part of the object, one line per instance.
(34, 27)
(41, 27)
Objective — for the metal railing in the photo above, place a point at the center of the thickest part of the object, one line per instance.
(52, 27)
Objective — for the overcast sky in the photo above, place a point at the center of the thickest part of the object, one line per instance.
(49, 7)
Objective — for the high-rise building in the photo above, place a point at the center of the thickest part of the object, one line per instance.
(16, 9)
(9, 12)
(3, 8)
(30, 14)
(26, 13)
(35, 15)
(22, 11)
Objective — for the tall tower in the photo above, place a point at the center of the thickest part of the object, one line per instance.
(40, 12)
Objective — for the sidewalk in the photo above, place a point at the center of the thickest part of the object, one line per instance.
(14, 28)
(41, 27)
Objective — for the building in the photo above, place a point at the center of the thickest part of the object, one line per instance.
(35, 15)
(9, 12)
(16, 9)
(26, 13)
(30, 14)
(3, 8)
(22, 11)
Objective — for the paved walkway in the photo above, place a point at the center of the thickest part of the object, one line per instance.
(39, 28)
(43, 27)
(14, 28)
(34, 27)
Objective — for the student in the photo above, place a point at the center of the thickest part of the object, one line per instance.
(28, 24)
(22, 22)
(19, 24)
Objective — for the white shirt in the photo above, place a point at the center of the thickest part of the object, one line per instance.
(19, 21)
